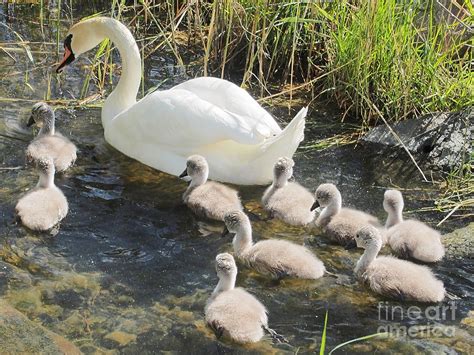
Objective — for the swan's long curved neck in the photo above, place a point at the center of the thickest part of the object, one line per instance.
(243, 239)
(368, 257)
(226, 283)
(125, 93)
(393, 218)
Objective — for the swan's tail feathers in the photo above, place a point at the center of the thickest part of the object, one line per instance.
(286, 143)
(265, 154)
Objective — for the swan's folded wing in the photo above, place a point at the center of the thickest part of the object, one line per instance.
(234, 100)
(181, 118)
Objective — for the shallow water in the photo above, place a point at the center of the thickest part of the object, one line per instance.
(130, 271)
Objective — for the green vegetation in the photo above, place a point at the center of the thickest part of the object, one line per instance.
(387, 58)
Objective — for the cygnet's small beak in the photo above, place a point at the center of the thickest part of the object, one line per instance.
(351, 245)
(184, 173)
(292, 178)
(315, 205)
(225, 232)
(31, 121)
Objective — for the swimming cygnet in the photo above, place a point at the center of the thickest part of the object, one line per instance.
(49, 143)
(340, 224)
(45, 206)
(410, 238)
(207, 198)
(392, 277)
(277, 258)
(288, 201)
(233, 312)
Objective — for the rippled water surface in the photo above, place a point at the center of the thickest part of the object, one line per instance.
(130, 268)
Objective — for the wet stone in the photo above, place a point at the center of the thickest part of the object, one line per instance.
(20, 335)
(442, 140)
(121, 338)
(68, 299)
(460, 243)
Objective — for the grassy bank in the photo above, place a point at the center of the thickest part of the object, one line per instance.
(389, 58)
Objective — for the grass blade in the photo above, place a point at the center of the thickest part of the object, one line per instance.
(323, 337)
(381, 335)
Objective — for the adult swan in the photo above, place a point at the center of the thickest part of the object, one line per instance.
(206, 116)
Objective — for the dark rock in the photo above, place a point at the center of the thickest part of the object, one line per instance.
(442, 140)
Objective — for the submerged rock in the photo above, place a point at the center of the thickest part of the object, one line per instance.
(441, 140)
(121, 338)
(460, 243)
(20, 335)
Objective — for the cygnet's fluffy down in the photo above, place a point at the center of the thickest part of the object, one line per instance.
(410, 238)
(340, 224)
(288, 201)
(207, 199)
(233, 312)
(49, 143)
(45, 206)
(394, 278)
(275, 258)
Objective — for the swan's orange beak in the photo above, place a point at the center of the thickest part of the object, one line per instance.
(68, 55)
(68, 58)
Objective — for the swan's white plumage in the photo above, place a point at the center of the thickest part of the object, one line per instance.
(206, 116)
(236, 102)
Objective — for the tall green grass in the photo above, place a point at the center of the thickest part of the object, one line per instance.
(397, 59)
(389, 58)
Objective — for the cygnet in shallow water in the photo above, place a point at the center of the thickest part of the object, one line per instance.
(207, 198)
(410, 238)
(288, 201)
(340, 224)
(45, 206)
(49, 143)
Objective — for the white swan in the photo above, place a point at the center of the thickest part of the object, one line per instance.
(206, 116)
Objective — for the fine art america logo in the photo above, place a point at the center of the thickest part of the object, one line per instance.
(430, 320)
